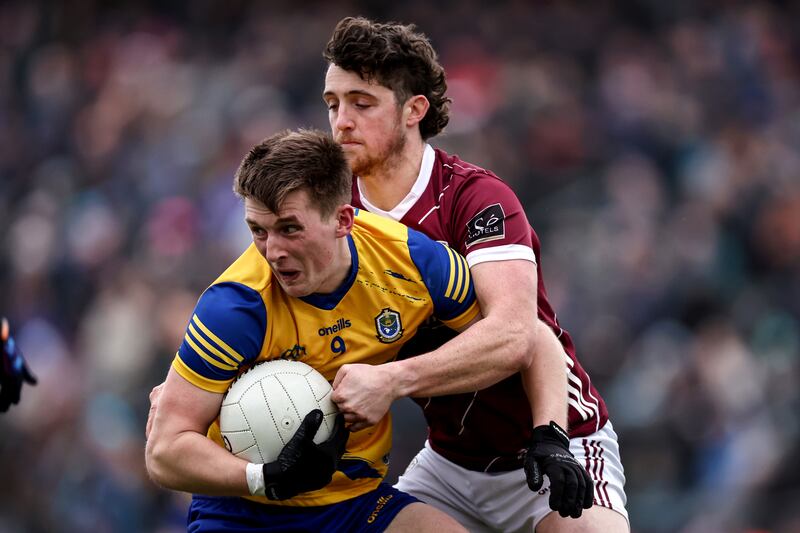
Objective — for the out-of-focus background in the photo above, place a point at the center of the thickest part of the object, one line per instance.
(655, 145)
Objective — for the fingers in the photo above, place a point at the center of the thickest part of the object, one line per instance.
(568, 491)
(533, 474)
(358, 426)
(5, 397)
(338, 439)
(358, 419)
(309, 426)
(155, 393)
(339, 430)
(573, 487)
(149, 425)
(27, 375)
(151, 414)
(557, 482)
(303, 439)
(339, 376)
(588, 494)
(9, 394)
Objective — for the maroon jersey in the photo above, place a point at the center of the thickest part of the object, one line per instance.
(477, 214)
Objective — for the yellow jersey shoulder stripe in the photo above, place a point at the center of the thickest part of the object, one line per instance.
(206, 357)
(194, 378)
(197, 337)
(465, 271)
(231, 352)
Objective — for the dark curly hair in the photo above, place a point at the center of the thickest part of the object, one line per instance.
(396, 56)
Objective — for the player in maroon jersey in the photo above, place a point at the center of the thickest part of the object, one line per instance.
(386, 95)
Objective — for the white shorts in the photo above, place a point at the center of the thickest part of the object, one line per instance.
(489, 502)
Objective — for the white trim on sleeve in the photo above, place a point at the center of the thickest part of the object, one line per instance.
(506, 252)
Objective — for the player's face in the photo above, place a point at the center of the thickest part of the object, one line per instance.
(365, 119)
(305, 251)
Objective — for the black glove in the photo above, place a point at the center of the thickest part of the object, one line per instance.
(303, 466)
(13, 370)
(571, 488)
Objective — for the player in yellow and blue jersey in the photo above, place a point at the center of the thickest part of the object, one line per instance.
(328, 285)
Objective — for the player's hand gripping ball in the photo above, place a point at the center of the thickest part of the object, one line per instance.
(265, 406)
(280, 414)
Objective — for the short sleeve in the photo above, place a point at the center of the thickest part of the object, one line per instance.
(226, 331)
(490, 223)
(446, 275)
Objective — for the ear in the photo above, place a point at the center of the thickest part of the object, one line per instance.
(345, 215)
(415, 109)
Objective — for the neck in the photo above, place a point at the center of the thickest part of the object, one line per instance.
(387, 186)
(341, 266)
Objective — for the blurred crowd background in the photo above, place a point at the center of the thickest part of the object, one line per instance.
(655, 146)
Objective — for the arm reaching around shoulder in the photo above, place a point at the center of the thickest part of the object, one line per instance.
(488, 350)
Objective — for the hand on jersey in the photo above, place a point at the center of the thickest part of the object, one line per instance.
(363, 393)
(303, 466)
(13, 370)
(571, 488)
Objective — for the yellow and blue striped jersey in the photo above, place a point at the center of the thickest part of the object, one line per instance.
(399, 278)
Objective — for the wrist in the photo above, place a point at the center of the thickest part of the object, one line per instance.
(551, 432)
(255, 479)
(400, 378)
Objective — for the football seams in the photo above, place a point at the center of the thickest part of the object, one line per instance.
(258, 422)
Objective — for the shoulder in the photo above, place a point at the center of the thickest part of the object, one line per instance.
(461, 172)
(226, 330)
(250, 270)
(370, 225)
(233, 312)
(473, 187)
(240, 288)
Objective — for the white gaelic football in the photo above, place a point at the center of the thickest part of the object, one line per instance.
(264, 407)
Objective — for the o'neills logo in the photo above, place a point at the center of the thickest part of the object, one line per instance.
(382, 501)
(339, 326)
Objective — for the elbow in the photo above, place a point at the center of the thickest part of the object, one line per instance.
(524, 352)
(156, 462)
(520, 346)
(532, 340)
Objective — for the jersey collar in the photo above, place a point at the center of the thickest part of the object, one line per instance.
(405, 205)
(330, 300)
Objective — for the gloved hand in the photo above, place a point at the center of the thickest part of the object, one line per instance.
(571, 488)
(13, 369)
(303, 466)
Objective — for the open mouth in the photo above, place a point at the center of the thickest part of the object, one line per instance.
(289, 276)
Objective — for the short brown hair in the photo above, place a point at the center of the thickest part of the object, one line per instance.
(292, 160)
(396, 56)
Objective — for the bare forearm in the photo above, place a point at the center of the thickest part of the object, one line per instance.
(488, 351)
(190, 462)
(545, 380)
(179, 456)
